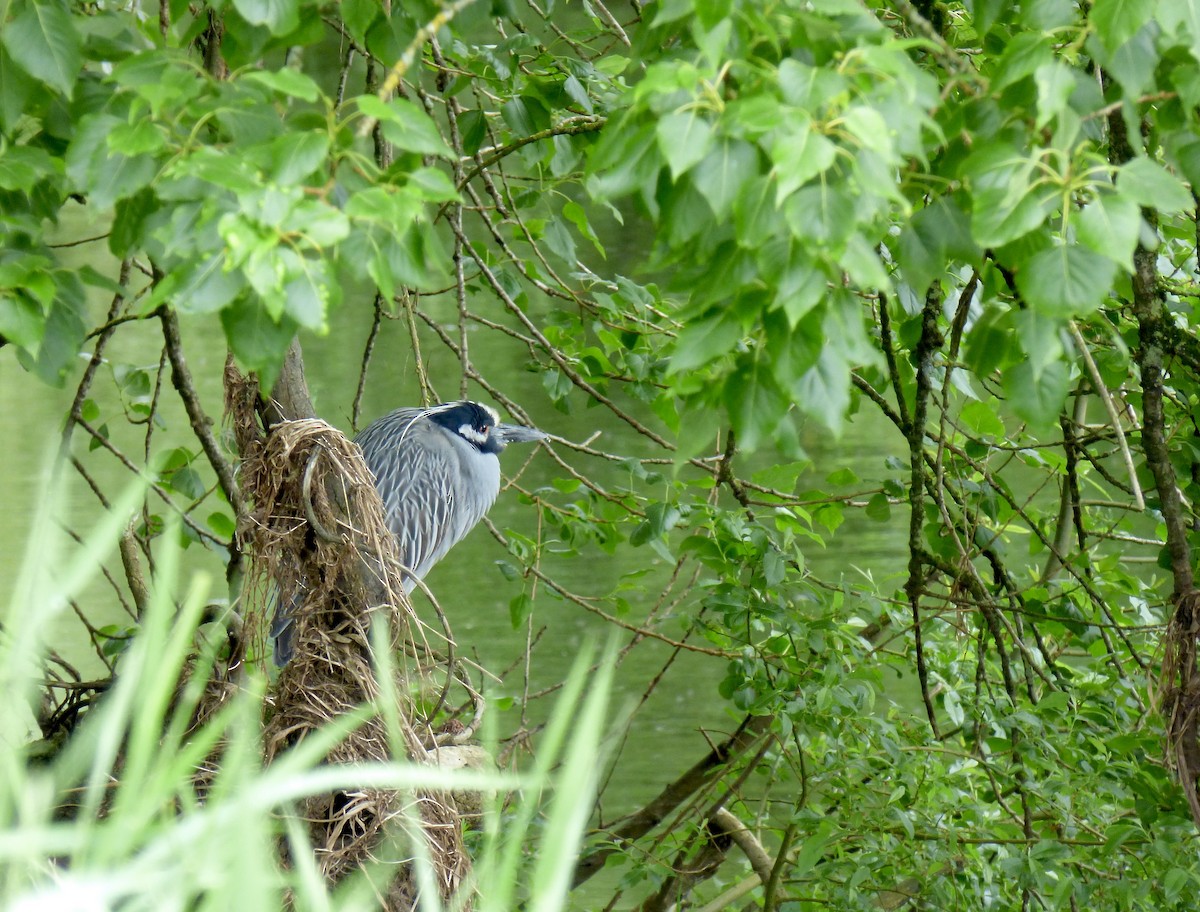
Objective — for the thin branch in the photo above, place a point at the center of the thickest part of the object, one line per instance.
(202, 425)
(368, 351)
(1114, 418)
(929, 340)
(89, 372)
(700, 774)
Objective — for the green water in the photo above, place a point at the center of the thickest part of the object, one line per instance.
(468, 583)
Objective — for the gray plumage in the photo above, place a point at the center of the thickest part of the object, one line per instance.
(437, 473)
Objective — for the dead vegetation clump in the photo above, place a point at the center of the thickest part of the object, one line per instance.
(314, 527)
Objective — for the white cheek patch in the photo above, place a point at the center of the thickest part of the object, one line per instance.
(469, 433)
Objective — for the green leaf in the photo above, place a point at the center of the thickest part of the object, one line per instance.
(1187, 156)
(921, 252)
(931, 240)
(42, 40)
(879, 508)
(683, 139)
(623, 160)
(221, 524)
(799, 288)
(207, 287)
(102, 176)
(23, 166)
(519, 608)
(798, 156)
(412, 259)
(868, 126)
(187, 481)
(754, 401)
(22, 321)
(472, 125)
(1038, 398)
(824, 390)
(121, 176)
(1006, 205)
(358, 17)
(986, 13)
(660, 519)
(256, 340)
(508, 570)
(306, 297)
(516, 114)
(1048, 16)
(812, 848)
(279, 16)
(1153, 186)
(723, 172)
(59, 349)
(1065, 280)
(799, 83)
(1021, 57)
(982, 419)
(294, 156)
(577, 216)
(574, 90)
(861, 262)
(558, 239)
(1040, 337)
(1133, 64)
(385, 205)
(15, 89)
(843, 477)
(225, 170)
(1055, 82)
(433, 185)
(820, 215)
(406, 126)
(702, 340)
(1116, 21)
(671, 10)
(321, 224)
(1110, 225)
(286, 81)
(136, 138)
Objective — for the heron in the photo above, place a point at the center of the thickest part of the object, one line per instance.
(437, 472)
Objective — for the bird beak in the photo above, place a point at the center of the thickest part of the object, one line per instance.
(514, 433)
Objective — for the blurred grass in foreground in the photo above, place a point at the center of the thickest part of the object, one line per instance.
(113, 819)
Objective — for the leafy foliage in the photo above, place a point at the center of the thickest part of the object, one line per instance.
(730, 228)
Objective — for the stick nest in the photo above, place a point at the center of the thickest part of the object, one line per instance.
(315, 528)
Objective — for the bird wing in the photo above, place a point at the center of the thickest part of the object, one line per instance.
(415, 469)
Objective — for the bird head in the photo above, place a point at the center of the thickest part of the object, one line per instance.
(480, 426)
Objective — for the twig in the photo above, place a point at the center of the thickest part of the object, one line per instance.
(368, 350)
(725, 821)
(154, 485)
(181, 379)
(1101, 390)
(701, 773)
(428, 393)
(130, 560)
(404, 63)
(93, 364)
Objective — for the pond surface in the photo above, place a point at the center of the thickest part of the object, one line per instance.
(468, 583)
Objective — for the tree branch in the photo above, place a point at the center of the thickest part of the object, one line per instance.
(700, 774)
(202, 425)
(928, 343)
